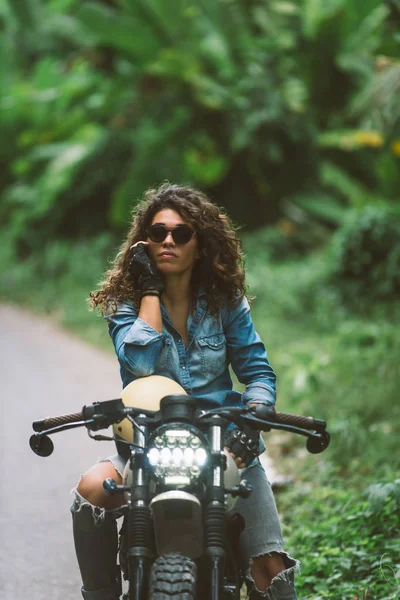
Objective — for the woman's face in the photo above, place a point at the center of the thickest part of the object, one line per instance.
(170, 257)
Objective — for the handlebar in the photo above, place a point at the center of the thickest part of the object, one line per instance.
(91, 411)
(101, 415)
(50, 422)
(98, 416)
(307, 423)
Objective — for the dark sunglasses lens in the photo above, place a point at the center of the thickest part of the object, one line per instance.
(182, 234)
(157, 233)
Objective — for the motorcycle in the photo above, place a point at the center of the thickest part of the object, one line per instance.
(180, 533)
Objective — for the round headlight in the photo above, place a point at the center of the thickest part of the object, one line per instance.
(177, 455)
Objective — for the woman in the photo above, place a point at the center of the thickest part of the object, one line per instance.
(175, 306)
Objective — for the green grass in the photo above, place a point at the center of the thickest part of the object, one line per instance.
(335, 359)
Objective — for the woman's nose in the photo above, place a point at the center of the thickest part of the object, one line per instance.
(169, 239)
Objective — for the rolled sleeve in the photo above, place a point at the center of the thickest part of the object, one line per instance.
(142, 334)
(136, 343)
(259, 391)
(248, 355)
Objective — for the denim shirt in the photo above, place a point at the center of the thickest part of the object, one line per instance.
(202, 367)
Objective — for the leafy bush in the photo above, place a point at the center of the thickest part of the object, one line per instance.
(348, 542)
(366, 252)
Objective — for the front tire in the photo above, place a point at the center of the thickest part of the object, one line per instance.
(173, 577)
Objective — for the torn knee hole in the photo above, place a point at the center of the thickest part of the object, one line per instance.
(281, 569)
(82, 504)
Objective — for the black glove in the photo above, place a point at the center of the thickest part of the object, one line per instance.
(144, 273)
(244, 443)
(262, 410)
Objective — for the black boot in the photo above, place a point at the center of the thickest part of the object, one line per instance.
(96, 546)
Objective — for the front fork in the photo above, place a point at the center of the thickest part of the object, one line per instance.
(139, 522)
(215, 510)
(140, 544)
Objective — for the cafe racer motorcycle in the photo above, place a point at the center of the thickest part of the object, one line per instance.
(180, 530)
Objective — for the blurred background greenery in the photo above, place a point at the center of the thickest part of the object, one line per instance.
(287, 113)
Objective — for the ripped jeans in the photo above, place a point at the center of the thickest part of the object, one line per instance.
(96, 540)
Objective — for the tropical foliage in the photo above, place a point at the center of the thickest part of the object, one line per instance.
(280, 108)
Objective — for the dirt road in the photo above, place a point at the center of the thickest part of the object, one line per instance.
(44, 372)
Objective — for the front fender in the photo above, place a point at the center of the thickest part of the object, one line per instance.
(178, 523)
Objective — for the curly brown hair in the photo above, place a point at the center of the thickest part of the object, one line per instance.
(220, 269)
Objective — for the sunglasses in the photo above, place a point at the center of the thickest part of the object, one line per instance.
(181, 234)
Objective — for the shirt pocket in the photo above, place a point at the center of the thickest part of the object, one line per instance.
(213, 354)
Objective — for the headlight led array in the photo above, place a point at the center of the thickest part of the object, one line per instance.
(177, 456)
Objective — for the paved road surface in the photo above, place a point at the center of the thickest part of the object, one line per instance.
(44, 372)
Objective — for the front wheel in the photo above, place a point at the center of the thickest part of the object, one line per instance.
(173, 577)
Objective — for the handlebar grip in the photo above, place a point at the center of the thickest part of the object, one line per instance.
(298, 421)
(50, 422)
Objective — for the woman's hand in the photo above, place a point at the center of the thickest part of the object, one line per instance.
(143, 271)
(239, 461)
(243, 445)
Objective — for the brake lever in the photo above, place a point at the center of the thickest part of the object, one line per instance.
(101, 415)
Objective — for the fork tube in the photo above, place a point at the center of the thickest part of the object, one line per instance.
(216, 445)
(139, 523)
(215, 511)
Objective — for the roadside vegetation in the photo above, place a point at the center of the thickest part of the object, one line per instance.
(336, 350)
